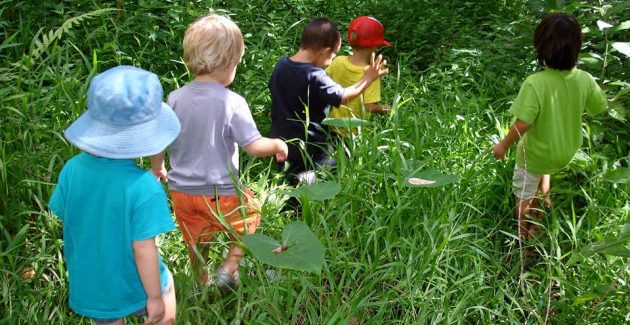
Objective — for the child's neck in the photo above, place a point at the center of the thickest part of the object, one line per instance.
(213, 77)
(360, 57)
(305, 56)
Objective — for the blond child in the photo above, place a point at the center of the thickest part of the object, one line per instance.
(302, 94)
(204, 159)
(111, 209)
(365, 35)
(548, 112)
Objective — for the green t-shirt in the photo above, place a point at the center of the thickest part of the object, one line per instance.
(552, 102)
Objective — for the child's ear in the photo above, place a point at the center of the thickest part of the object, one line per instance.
(353, 36)
(326, 51)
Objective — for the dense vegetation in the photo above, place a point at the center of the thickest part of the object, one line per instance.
(394, 254)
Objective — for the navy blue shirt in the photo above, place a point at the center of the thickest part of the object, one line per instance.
(295, 86)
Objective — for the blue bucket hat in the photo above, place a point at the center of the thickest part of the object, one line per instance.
(126, 117)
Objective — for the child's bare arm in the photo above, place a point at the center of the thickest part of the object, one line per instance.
(265, 147)
(375, 70)
(146, 257)
(377, 108)
(157, 166)
(517, 130)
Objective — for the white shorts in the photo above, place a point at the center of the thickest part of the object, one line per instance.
(524, 183)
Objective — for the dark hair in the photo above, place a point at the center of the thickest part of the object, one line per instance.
(320, 33)
(558, 39)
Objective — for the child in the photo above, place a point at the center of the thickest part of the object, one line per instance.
(204, 158)
(302, 92)
(365, 34)
(548, 112)
(112, 210)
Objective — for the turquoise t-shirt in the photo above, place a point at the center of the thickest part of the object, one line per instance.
(552, 102)
(105, 204)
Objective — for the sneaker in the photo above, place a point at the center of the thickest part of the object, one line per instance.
(223, 281)
(271, 275)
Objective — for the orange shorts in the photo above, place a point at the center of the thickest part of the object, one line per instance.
(199, 220)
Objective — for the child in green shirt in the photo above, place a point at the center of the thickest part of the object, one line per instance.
(548, 112)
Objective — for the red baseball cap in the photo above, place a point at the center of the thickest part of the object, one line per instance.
(368, 32)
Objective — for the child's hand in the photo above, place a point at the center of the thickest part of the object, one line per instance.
(160, 173)
(155, 310)
(283, 151)
(157, 166)
(377, 108)
(499, 151)
(376, 69)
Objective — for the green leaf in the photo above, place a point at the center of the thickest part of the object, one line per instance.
(619, 175)
(585, 298)
(619, 83)
(16, 242)
(316, 192)
(603, 25)
(617, 111)
(623, 47)
(622, 26)
(581, 159)
(554, 5)
(600, 289)
(300, 249)
(345, 122)
(617, 250)
(617, 9)
(590, 58)
(430, 178)
(612, 245)
(621, 92)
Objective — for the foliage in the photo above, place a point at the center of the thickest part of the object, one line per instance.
(352, 122)
(316, 192)
(394, 253)
(300, 249)
(430, 178)
(610, 246)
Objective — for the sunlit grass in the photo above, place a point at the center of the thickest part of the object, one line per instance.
(394, 254)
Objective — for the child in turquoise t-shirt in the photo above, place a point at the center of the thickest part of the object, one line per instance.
(548, 112)
(112, 210)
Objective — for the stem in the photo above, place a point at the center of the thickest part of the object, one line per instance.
(601, 76)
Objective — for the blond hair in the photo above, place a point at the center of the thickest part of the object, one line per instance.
(211, 44)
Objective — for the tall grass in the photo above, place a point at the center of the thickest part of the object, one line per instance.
(394, 254)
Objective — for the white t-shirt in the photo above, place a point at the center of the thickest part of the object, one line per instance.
(215, 120)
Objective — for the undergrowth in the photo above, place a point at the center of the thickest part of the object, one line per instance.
(394, 254)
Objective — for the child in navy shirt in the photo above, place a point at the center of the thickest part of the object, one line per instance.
(302, 93)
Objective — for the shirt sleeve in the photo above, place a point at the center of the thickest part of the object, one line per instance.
(325, 89)
(526, 106)
(57, 203)
(596, 101)
(151, 216)
(242, 125)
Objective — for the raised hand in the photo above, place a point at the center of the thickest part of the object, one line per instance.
(377, 67)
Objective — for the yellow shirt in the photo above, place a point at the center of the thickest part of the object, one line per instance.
(345, 73)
